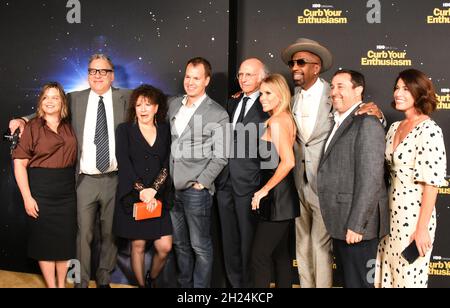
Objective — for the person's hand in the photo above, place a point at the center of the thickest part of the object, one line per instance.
(198, 186)
(152, 205)
(371, 109)
(147, 195)
(353, 237)
(257, 198)
(15, 124)
(423, 241)
(236, 95)
(31, 207)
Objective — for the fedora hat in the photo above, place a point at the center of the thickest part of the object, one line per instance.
(304, 44)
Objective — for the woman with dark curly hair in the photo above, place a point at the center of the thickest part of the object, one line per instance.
(415, 153)
(143, 150)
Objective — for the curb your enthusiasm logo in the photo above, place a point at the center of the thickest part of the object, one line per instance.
(445, 190)
(440, 15)
(444, 99)
(439, 268)
(322, 14)
(386, 56)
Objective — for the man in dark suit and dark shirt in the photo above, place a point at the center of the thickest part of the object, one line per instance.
(352, 193)
(241, 178)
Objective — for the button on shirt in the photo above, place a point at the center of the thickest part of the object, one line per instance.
(307, 109)
(185, 114)
(252, 99)
(338, 120)
(88, 163)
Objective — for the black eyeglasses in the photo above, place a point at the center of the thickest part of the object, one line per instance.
(300, 62)
(102, 72)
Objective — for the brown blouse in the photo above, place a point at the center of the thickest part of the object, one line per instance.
(45, 148)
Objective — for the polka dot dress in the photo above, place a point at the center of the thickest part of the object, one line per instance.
(420, 157)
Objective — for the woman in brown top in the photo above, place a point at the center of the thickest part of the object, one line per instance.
(44, 168)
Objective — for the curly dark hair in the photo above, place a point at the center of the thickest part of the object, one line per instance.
(421, 88)
(155, 96)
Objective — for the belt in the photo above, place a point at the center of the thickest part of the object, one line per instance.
(114, 173)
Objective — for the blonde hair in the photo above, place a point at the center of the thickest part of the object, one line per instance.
(64, 106)
(278, 84)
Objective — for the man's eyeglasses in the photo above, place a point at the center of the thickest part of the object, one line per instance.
(300, 63)
(245, 75)
(102, 72)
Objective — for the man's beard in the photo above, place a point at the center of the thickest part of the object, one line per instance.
(300, 82)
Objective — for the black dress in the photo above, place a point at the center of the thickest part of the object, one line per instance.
(276, 213)
(149, 165)
(282, 203)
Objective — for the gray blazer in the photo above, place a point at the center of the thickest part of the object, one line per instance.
(352, 191)
(309, 152)
(201, 152)
(78, 102)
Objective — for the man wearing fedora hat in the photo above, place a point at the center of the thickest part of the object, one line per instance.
(312, 111)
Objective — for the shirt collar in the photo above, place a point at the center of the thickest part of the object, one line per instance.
(253, 96)
(197, 103)
(315, 90)
(341, 118)
(104, 95)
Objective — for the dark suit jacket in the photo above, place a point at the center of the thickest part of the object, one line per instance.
(138, 161)
(352, 191)
(244, 173)
(78, 102)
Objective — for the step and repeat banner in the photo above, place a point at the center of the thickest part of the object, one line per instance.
(150, 42)
(377, 37)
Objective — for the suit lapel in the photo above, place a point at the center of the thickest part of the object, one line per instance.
(119, 107)
(81, 104)
(235, 104)
(202, 109)
(325, 109)
(294, 104)
(139, 138)
(342, 128)
(179, 104)
(253, 112)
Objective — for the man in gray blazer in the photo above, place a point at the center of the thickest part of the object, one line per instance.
(352, 192)
(95, 115)
(312, 110)
(198, 155)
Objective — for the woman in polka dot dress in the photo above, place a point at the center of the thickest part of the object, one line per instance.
(415, 153)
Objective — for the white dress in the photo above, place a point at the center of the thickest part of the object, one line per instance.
(420, 157)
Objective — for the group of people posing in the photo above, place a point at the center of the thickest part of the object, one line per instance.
(319, 164)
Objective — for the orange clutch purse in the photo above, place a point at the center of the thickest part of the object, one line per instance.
(140, 211)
